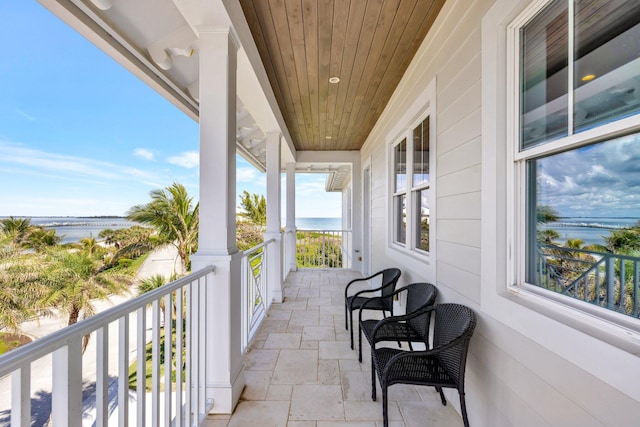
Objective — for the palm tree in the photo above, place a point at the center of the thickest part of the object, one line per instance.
(74, 280)
(152, 283)
(20, 289)
(173, 213)
(255, 207)
(40, 239)
(90, 245)
(16, 229)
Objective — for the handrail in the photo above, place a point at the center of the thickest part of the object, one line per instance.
(257, 247)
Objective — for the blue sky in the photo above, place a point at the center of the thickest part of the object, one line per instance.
(81, 136)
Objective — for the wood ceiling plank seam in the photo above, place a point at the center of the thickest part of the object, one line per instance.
(354, 24)
(371, 15)
(288, 73)
(325, 17)
(338, 40)
(382, 38)
(379, 91)
(405, 58)
(259, 37)
(296, 28)
(259, 23)
(312, 50)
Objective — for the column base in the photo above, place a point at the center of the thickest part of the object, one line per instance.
(226, 396)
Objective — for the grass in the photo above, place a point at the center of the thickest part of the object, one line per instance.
(133, 368)
(10, 341)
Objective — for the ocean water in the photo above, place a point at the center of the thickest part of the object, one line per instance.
(72, 229)
(592, 230)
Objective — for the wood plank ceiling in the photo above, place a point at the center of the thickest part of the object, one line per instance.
(367, 44)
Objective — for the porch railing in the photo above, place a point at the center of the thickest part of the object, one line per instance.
(168, 391)
(323, 248)
(604, 279)
(255, 292)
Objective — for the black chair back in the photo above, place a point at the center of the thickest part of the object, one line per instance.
(419, 296)
(390, 276)
(453, 321)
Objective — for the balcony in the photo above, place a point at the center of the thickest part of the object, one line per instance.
(299, 369)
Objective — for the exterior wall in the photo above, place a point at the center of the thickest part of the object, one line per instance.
(554, 376)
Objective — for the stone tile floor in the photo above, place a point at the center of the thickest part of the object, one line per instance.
(301, 372)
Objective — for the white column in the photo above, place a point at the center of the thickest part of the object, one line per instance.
(274, 276)
(217, 233)
(290, 228)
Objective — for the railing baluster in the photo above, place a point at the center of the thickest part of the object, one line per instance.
(610, 281)
(188, 402)
(155, 363)
(123, 371)
(21, 397)
(141, 367)
(636, 280)
(202, 358)
(168, 359)
(179, 356)
(622, 292)
(102, 376)
(67, 384)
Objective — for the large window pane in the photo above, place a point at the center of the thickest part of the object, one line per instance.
(583, 222)
(422, 219)
(400, 166)
(421, 153)
(400, 218)
(544, 82)
(607, 64)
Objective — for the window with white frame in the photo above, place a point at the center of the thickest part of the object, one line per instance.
(411, 194)
(576, 151)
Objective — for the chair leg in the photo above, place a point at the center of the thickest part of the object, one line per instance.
(359, 344)
(444, 401)
(351, 329)
(463, 406)
(373, 378)
(346, 319)
(385, 414)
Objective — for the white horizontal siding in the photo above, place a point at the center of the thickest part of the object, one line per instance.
(512, 381)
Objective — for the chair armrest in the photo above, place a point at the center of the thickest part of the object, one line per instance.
(370, 300)
(421, 353)
(360, 280)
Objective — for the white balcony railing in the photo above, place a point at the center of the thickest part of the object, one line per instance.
(111, 384)
(323, 249)
(168, 391)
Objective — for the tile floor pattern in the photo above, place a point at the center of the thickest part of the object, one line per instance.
(301, 372)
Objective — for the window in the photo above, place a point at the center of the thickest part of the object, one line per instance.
(577, 155)
(411, 195)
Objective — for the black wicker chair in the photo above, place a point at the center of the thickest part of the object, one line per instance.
(442, 365)
(419, 295)
(390, 278)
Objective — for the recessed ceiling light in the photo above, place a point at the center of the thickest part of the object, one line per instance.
(588, 77)
(328, 137)
(334, 80)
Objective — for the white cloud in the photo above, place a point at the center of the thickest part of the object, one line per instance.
(188, 159)
(143, 153)
(246, 174)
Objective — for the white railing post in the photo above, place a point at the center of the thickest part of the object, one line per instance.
(102, 377)
(123, 371)
(21, 397)
(66, 408)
